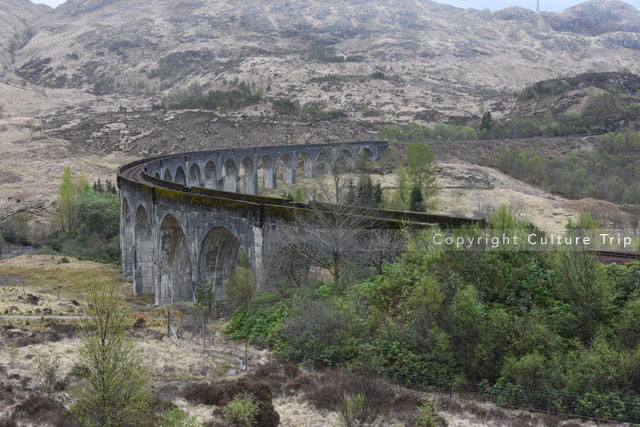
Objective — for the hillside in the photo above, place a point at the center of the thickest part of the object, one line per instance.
(17, 19)
(433, 68)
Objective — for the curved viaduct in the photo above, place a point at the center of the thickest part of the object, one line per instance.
(185, 216)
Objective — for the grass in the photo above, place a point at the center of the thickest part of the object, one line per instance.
(58, 284)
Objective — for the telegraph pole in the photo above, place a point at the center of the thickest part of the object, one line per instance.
(538, 6)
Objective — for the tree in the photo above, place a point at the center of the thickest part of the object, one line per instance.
(67, 199)
(332, 225)
(400, 197)
(416, 203)
(421, 168)
(114, 390)
(581, 282)
(241, 288)
(205, 296)
(486, 123)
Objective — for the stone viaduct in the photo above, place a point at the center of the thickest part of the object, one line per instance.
(185, 216)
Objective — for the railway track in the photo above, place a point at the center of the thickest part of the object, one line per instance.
(619, 257)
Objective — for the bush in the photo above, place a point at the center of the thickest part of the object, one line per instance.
(203, 394)
(241, 411)
(178, 418)
(426, 415)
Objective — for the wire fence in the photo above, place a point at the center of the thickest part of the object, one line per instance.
(603, 407)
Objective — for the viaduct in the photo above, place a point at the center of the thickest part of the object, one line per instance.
(185, 216)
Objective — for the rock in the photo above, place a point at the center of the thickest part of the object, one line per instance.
(47, 311)
(14, 309)
(74, 302)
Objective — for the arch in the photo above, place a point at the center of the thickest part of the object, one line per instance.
(268, 170)
(364, 159)
(230, 175)
(218, 258)
(290, 266)
(175, 276)
(324, 163)
(127, 241)
(288, 172)
(180, 177)
(210, 176)
(248, 176)
(344, 161)
(157, 175)
(308, 166)
(167, 175)
(195, 179)
(143, 254)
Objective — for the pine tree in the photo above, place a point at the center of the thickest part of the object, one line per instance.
(416, 203)
(487, 122)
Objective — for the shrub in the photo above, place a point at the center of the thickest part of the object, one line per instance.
(241, 411)
(426, 415)
(204, 394)
(178, 418)
(48, 371)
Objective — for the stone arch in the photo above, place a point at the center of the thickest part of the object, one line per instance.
(344, 161)
(218, 258)
(210, 175)
(364, 159)
(248, 176)
(288, 171)
(195, 179)
(143, 254)
(157, 175)
(230, 175)
(306, 161)
(267, 167)
(292, 265)
(167, 175)
(180, 177)
(127, 249)
(175, 274)
(324, 163)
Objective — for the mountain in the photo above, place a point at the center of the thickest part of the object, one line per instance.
(432, 62)
(17, 18)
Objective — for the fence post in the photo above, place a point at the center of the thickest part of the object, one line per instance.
(169, 323)
(451, 388)
(550, 399)
(246, 355)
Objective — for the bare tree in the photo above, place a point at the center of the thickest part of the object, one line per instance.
(331, 225)
(380, 246)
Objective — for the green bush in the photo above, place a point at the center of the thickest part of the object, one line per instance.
(241, 411)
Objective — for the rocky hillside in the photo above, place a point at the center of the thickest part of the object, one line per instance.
(17, 19)
(410, 59)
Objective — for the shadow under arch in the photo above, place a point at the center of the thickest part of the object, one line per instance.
(175, 275)
(323, 163)
(230, 176)
(210, 176)
(143, 254)
(167, 175)
(344, 161)
(180, 176)
(218, 259)
(364, 159)
(288, 171)
(266, 169)
(248, 176)
(308, 167)
(195, 179)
